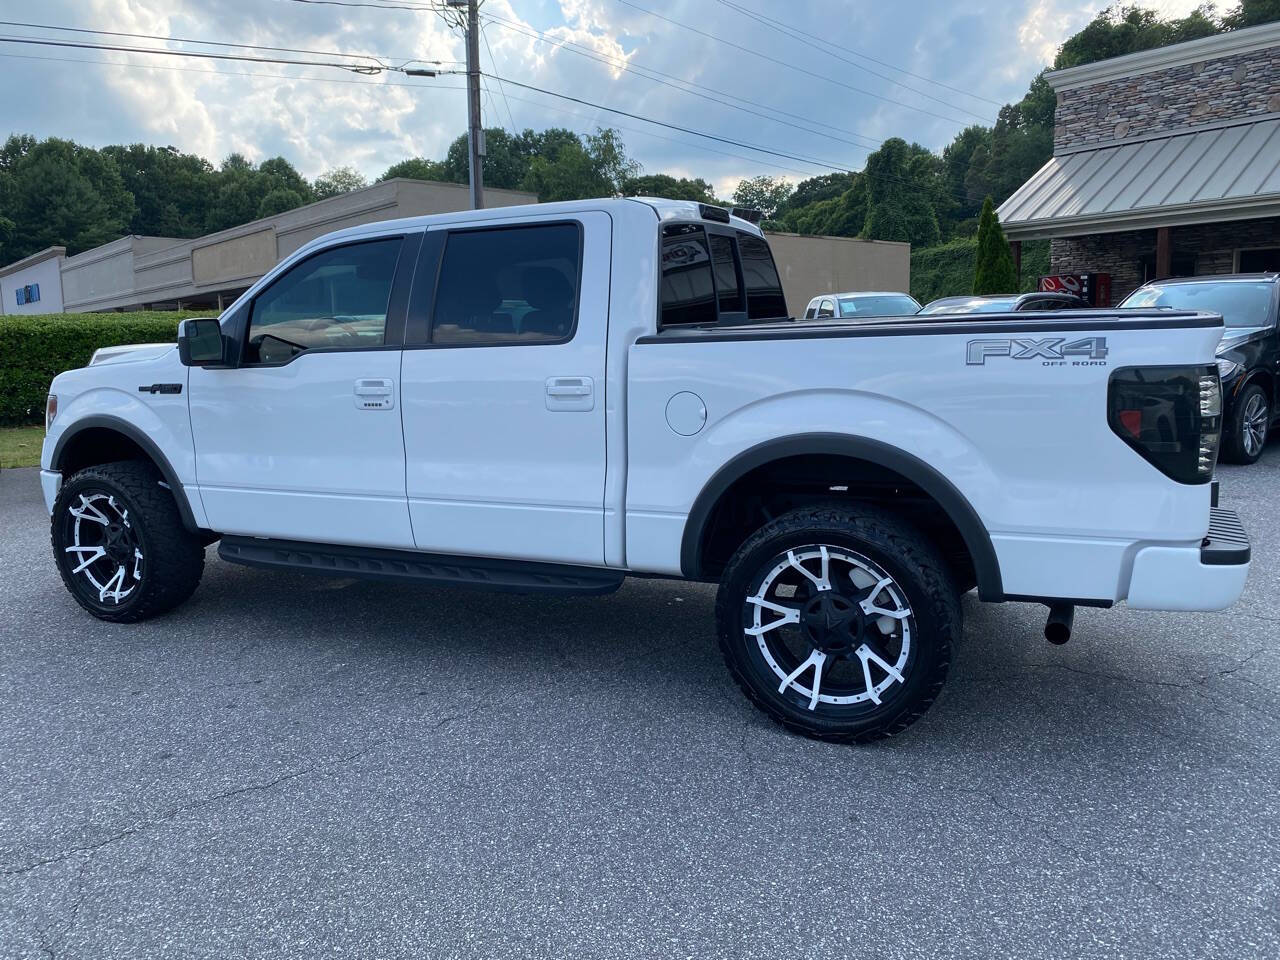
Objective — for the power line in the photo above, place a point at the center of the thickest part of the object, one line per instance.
(208, 43)
(501, 89)
(798, 69)
(782, 25)
(44, 42)
(788, 31)
(231, 73)
(365, 69)
(674, 126)
(656, 76)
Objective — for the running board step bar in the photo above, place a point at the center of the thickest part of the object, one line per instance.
(515, 576)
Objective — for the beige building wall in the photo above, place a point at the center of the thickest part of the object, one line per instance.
(810, 266)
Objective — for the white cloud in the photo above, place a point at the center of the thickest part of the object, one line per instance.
(320, 118)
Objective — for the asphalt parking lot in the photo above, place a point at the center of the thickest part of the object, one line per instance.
(291, 767)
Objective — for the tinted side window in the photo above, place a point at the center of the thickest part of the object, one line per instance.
(827, 308)
(508, 285)
(688, 294)
(764, 290)
(337, 298)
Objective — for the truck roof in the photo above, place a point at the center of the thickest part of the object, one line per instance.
(666, 210)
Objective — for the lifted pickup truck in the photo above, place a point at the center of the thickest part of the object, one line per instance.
(551, 398)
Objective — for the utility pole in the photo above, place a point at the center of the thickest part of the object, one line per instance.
(475, 132)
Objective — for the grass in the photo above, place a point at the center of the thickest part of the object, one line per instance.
(20, 446)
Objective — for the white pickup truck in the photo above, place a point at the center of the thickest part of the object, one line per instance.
(551, 398)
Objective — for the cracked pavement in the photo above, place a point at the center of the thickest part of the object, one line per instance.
(290, 766)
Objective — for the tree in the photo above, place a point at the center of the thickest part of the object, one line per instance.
(814, 190)
(762, 193)
(337, 181)
(60, 193)
(418, 168)
(506, 160)
(1250, 13)
(993, 270)
(840, 216)
(670, 188)
(1128, 29)
(171, 190)
(279, 200)
(902, 187)
(574, 169)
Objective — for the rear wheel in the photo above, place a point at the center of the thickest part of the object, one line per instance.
(1250, 426)
(120, 545)
(838, 622)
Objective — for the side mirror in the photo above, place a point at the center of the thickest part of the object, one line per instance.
(200, 342)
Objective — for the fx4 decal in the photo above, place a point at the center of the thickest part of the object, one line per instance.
(1051, 352)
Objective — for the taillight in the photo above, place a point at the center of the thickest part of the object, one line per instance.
(50, 410)
(1171, 415)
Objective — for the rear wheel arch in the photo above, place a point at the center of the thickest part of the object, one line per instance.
(99, 439)
(952, 503)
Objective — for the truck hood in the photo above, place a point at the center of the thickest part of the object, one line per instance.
(130, 352)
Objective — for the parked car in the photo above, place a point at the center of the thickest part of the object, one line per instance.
(1248, 356)
(861, 304)
(526, 398)
(1004, 303)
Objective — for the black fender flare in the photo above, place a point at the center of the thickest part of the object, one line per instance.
(972, 530)
(149, 447)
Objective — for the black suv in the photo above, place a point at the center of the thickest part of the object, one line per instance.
(1249, 355)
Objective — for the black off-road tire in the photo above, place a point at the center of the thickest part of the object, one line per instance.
(173, 556)
(901, 551)
(1233, 443)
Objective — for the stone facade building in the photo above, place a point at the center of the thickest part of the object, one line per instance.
(1166, 163)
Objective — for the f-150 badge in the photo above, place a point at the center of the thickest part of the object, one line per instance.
(1051, 352)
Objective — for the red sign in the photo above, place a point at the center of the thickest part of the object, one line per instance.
(1093, 288)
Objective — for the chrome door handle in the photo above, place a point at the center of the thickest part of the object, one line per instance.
(375, 393)
(570, 393)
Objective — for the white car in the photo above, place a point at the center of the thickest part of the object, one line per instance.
(551, 398)
(859, 304)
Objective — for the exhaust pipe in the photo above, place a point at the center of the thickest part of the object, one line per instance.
(1057, 629)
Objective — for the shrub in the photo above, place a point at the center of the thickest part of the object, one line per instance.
(36, 348)
(994, 271)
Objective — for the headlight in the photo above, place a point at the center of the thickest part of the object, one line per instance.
(1227, 368)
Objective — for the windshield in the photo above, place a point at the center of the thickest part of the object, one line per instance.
(972, 305)
(1242, 303)
(892, 305)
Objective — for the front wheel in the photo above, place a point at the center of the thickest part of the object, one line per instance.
(838, 622)
(120, 545)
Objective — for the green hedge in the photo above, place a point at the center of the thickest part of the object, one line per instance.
(36, 348)
(947, 270)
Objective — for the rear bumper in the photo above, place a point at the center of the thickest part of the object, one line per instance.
(1210, 576)
(50, 484)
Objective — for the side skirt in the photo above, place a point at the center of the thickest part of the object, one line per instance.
(512, 576)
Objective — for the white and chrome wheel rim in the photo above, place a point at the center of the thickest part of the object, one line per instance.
(832, 626)
(1254, 424)
(104, 551)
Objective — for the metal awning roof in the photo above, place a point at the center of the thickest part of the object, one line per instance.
(1225, 171)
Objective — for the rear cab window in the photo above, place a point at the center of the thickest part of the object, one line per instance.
(717, 275)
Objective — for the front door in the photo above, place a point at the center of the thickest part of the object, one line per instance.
(302, 439)
(504, 393)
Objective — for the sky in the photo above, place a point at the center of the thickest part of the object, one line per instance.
(914, 69)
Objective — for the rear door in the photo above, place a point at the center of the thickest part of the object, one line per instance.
(503, 389)
(301, 440)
